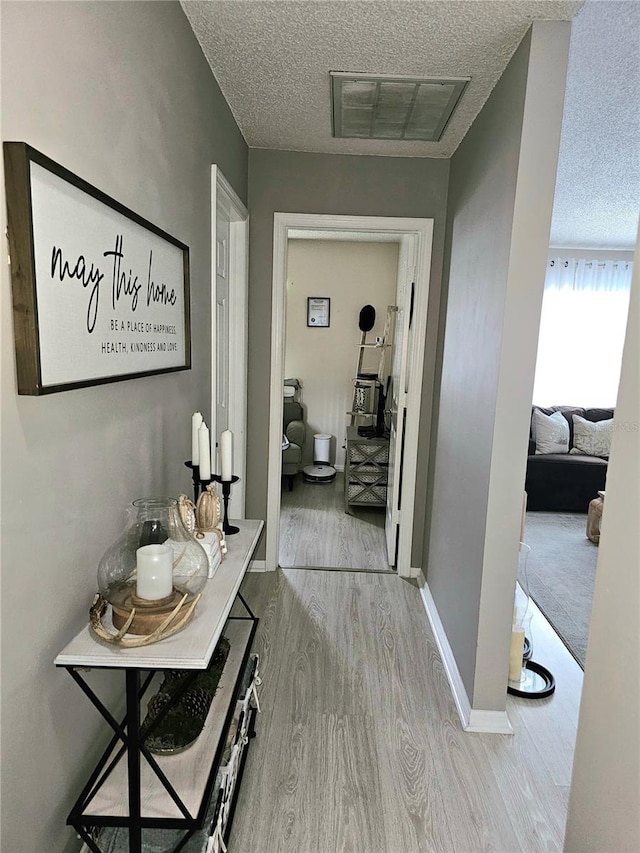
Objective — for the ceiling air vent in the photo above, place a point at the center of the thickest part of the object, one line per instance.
(380, 107)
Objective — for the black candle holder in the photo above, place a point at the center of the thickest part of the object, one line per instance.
(198, 484)
(229, 529)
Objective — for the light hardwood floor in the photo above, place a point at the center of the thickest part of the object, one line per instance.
(316, 532)
(359, 748)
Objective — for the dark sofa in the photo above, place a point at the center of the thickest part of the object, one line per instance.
(563, 482)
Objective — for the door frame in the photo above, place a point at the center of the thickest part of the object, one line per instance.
(224, 197)
(286, 225)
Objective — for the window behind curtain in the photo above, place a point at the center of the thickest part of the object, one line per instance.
(582, 331)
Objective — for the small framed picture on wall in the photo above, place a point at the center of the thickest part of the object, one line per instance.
(318, 311)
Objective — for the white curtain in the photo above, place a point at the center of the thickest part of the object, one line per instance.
(582, 330)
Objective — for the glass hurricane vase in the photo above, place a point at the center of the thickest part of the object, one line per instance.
(521, 642)
(152, 565)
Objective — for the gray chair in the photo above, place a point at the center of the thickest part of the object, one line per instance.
(294, 429)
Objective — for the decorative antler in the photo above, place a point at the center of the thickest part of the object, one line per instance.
(99, 608)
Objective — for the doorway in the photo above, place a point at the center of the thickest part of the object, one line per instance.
(414, 239)
(322, 523)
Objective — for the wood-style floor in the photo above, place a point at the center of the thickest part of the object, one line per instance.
(316, 532)
(359, 747)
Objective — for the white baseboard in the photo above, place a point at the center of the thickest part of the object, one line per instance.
(491, 722)
(472, 719)
(258, 566)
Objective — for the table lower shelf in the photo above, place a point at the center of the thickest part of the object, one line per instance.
(187, 771)
(116, 839)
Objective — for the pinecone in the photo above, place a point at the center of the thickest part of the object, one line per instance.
(156, 704)
(174, 676)
(196, 702)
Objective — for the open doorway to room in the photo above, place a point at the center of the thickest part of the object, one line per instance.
(315, 530)
(582, 333)
(332, 514)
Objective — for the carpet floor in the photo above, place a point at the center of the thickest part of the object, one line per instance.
(561, 572)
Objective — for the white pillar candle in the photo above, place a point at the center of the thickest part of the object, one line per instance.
(226, 454)
(154, 572)
(516, 653)
(204, 452)
(196, 423)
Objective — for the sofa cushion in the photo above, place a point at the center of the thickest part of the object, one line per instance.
(292, 455)
(596, 415)
(566, 460)
(551, 432)
(568, 412)
(292, 411)
(559, 482)
(295, 432)
(592, 438)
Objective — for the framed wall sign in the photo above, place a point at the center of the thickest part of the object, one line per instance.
(318, 311)
(99, 293)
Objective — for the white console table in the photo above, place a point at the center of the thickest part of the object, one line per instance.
(172, 791)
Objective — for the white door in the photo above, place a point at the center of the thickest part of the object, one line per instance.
(222, 323)
(229, 329)
(398, 385)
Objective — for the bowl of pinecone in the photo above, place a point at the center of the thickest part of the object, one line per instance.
(169, 732)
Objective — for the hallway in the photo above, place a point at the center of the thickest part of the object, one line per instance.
(316, 532)
(359, 746)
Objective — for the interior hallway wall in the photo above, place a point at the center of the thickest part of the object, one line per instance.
(120, 94)
(351, 274)
(293, 182)
(605, 787)
(499, 216)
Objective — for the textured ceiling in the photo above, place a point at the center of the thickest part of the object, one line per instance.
(272, 61)
(598, 183)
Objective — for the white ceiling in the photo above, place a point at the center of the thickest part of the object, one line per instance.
(272, 59)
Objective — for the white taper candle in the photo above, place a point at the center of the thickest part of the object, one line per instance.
(204, 448)
(226, 454)
(196, 423)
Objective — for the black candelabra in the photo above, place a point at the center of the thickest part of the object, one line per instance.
(229, 529)
(198, 484)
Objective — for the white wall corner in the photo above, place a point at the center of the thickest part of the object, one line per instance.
(472, 719)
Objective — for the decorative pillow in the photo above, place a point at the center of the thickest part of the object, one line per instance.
(591, 438)
(551, 432)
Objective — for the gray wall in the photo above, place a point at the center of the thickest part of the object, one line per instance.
(120, 94)
(290, 182)
(605, 788)
(498, 219)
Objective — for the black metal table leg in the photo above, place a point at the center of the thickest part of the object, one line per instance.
(133, 759)
(246, 607)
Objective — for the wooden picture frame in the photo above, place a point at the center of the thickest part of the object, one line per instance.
(99, 293)
(318, 312)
